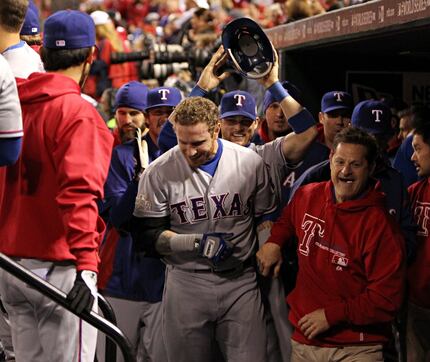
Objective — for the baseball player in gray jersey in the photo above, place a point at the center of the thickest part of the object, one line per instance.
(196, 205)
(238, 124)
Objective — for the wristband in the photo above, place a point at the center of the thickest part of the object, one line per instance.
(301, 121)
(198, 92)
(277, 91)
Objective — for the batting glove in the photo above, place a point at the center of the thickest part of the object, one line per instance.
(80, 297)
(215, 247)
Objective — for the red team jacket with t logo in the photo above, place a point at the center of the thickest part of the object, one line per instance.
(48, 207)
(419, 271)
(351, 263)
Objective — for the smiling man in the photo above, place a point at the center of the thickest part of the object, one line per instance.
(344, 236)
(196, 208)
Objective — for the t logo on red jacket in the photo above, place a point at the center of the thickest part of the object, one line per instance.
(310, 224)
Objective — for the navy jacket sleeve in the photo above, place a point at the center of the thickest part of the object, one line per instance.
(10, 149)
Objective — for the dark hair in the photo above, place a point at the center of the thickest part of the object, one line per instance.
(57, 59)
(12, 14)
(423, 130)
(357, 136)
(420, 116)
(35, 39)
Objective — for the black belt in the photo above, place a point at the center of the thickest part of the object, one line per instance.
(239, 267)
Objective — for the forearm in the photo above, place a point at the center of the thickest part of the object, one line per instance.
(295, 145)
(170, 242)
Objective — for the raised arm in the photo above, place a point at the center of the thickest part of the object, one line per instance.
(295, 144)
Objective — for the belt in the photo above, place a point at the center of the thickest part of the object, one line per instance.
(235, 269)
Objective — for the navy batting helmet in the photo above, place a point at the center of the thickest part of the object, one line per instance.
(248, 47)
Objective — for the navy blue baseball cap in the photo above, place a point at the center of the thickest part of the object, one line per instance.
(335, 100)
(238, 103)
(248, 47)
(31, 24)
(163, 97)
(133, 95)
(373, 117)
(69, 29)
(292, 90)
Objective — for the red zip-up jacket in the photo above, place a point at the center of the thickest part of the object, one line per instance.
(351, 263)
(419, 271)
(48, 207)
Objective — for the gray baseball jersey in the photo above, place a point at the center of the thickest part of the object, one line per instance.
(239, 191)
(272, 155)
(10, 109)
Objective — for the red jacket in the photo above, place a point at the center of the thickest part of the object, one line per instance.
(419, 271)
(351, 263)
(48, 198)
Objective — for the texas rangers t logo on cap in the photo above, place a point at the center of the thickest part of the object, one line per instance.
(240, 98)
(164, 93)
(338, 96)
(377, 112)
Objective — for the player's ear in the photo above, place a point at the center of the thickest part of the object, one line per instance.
(217, 128)
(321, 117)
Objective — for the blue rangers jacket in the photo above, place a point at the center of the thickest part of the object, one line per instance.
(124, 273)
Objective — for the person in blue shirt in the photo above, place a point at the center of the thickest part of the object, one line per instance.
(132, 283)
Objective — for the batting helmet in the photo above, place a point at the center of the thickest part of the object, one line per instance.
(248, 47)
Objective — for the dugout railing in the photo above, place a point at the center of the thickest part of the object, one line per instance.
(114, 335)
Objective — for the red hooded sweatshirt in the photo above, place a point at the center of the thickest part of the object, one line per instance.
(419, 271)
(48, 198)
(351, 264)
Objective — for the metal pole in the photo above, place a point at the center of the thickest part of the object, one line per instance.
(58, 296)
(109, 314)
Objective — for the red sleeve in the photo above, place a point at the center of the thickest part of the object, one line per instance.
(283, 229)
(385, 270)
(82, 155)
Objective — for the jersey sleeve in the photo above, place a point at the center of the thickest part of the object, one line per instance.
(265, 198)
(82, 155)
(152, 198)
(10, 108)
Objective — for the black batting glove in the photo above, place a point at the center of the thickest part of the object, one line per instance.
(80, 297)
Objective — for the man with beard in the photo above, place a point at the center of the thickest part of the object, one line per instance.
(49, 220)
(133, 283)
(130, 102)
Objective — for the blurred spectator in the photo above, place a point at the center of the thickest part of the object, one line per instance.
(103, 73)
(301, 9)
(331, 5)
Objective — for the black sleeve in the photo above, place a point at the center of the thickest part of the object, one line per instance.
(145, 232)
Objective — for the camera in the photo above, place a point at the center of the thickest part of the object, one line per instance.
(162, 60)
(161, 71)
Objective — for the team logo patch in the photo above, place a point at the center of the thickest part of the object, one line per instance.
(339, 260)
(142, 202)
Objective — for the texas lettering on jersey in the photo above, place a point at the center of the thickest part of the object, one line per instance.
(213, 207)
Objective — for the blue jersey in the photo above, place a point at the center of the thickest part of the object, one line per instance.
(123, 273)
(316, 153)
(402, 162)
